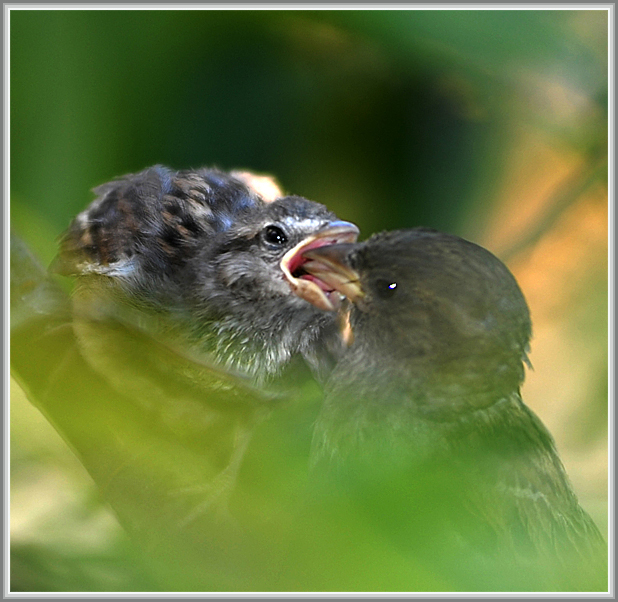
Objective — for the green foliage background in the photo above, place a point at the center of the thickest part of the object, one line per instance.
(350, 108)
(392, 118)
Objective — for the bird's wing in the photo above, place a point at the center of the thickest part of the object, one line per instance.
(532, 509)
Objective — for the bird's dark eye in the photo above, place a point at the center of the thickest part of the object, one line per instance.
(385, 289)
(274, 236)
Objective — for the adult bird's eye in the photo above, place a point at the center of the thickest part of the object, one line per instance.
(385, 289)
(274, 236)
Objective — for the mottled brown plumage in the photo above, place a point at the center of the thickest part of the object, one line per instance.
(158, 215)
(186, 305)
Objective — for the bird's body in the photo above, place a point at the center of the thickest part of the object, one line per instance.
(424, 423)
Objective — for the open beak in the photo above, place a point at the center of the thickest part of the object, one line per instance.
(331, 266)
(306, 284)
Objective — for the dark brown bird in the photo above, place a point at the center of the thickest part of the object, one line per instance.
(424, 424)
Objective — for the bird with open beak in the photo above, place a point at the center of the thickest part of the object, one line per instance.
(207, 256)
(424, 423)
(189, 302)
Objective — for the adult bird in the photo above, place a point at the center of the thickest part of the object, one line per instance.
(424, 426)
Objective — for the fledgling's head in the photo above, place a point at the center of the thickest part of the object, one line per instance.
(258, 259)
(155, 233)
(252, 302)
(431, 300)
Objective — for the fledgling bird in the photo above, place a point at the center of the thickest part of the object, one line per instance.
(424, 423)
(206, 256)
(186, 298)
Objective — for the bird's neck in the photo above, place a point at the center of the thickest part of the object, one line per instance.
(255, 340)
(418, 406)
(434, 382)
(260, 341)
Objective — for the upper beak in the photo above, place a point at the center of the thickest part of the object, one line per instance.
(306, 284)
(331, 265)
